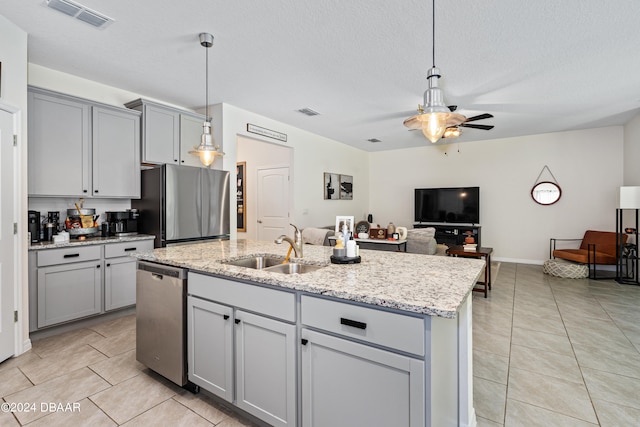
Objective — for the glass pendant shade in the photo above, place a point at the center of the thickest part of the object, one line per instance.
(207, 151)
(435, 117)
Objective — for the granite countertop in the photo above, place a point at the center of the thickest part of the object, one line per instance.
(424, 284)
(89, 241)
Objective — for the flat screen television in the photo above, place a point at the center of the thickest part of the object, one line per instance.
(454, 205)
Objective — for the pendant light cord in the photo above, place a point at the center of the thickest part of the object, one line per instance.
(206, 79)
(433, 27)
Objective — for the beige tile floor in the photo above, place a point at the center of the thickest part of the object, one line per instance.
(556, 352)
(97, 368)
(547, 352)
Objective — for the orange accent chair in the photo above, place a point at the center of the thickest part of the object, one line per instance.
(596, 247)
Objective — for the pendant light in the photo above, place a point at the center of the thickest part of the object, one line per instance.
(207, 151)
(435, 117)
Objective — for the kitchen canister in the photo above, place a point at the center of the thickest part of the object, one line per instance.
(390, 229)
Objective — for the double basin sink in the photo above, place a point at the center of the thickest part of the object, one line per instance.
(273, 263)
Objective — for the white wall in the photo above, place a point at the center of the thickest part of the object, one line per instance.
(312, 156)
(13, 92)
(587, 165)
(632, 152)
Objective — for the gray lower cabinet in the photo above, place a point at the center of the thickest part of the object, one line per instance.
(79, 148)
(347, 384)
(238, 351)
(74, 282)
(120, 273)
(69, 291)
(168, 133)
(348, 379)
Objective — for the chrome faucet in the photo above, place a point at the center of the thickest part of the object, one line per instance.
(296, 243)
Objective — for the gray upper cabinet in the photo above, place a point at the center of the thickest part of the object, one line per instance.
(80, 148)
(116, 153)
(59, 145)
(168, 134)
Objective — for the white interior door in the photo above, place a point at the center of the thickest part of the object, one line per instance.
(7, 238)
(273, 203)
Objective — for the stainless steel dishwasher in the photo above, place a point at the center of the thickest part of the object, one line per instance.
(160, 320)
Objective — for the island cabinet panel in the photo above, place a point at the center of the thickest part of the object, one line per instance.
(231, 322)
(265, 363)
(69, 291)
(210, 346)
(81, 148)
(347, 384)
(379, 327)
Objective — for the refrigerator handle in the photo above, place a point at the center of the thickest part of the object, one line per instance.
(199, 201)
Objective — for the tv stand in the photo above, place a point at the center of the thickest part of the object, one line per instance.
(452, 234)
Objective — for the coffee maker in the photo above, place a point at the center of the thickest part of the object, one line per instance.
(121, 223)
(34, 226)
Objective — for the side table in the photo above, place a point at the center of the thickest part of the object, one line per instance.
(480, 252)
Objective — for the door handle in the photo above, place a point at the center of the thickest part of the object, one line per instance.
(259, 222)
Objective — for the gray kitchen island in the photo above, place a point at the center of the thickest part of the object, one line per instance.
(387, 341)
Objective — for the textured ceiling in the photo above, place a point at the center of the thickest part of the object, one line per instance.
(537, 66)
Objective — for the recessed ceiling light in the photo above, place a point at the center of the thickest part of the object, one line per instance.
(308, 111)
(80, 12)
(374, 140)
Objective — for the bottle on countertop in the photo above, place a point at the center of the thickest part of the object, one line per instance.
(351, 248)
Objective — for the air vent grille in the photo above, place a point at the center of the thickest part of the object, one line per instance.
(80, 12)
(308, 112)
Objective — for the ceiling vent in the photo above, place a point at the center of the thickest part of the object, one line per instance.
(80, 12)
(308, 112)
(374, 140)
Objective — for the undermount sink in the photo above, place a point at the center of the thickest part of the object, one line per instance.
(257, 262)
(273, 263)
(293, 268)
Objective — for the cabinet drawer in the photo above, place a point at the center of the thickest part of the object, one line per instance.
(68, 255)
(391, 330)
(269, 302)
(113, 250)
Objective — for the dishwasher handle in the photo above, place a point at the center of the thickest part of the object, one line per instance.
(160, 270)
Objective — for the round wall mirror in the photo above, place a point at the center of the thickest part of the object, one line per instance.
(546, 193)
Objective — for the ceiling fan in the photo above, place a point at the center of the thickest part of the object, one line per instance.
(454, 131)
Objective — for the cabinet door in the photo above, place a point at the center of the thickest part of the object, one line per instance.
(161, 135)
(116, 153)
(210, 346)
(59, 146)
(265, 364)
(349, 384)
(190, 135)
(119, 283)
(68, 292)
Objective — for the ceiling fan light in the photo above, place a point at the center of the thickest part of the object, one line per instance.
(452, 132)
(435, 125)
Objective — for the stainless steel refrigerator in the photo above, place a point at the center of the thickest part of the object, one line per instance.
(183, 203)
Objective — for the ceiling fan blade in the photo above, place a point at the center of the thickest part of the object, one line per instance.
(479, 117)
(483, 127)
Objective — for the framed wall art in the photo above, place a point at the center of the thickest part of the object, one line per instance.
(331, 186)
(346, 187)
(241, 196)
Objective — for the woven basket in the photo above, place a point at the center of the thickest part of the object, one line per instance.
(565, 269)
